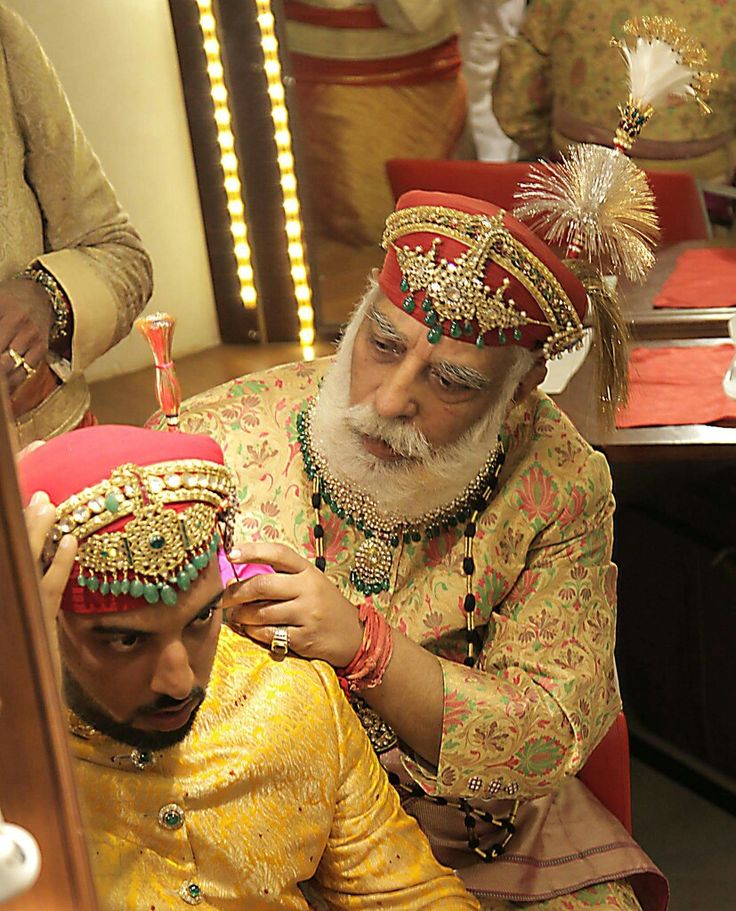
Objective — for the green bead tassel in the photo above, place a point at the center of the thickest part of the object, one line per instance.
(168, 595)
(136, 588)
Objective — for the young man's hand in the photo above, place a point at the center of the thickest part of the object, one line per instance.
(40, 516)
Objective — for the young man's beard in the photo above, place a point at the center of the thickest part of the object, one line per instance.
(83, 705)
(425, 478)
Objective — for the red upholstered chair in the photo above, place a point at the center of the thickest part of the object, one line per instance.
(682, 213)
(607, 772)
(680, 206)
(493, 181)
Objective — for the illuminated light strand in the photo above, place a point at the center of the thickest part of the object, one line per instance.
(285, 159)
(228, 155)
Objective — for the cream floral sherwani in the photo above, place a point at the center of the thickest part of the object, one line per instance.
(560, 82)
(543, 693)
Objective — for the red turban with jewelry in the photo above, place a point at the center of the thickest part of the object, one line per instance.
(472, 272)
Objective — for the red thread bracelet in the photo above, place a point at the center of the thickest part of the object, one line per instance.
(369, 664)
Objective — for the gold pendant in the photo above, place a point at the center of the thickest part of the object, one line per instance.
(372, 566)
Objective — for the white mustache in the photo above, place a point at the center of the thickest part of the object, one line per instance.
(405, 439)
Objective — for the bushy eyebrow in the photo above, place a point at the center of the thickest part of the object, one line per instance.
(116, 630)
(386, 327)
(462, 375)
(453, 373)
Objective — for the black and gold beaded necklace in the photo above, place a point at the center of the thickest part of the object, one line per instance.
(371, 571)
(371, 574)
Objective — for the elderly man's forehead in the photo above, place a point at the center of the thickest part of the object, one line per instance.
(493, 362)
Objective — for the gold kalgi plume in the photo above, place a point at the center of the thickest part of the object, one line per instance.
(598, 205)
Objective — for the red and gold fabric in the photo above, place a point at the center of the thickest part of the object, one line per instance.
(149, 511)
(372, 82)
(472, 272)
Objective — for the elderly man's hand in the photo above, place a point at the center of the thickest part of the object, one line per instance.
(40, 516)
(25, 320)
(321, 623)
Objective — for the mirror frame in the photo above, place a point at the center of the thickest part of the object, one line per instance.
(37, 787)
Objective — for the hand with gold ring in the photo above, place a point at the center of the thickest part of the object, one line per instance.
(297, 598)
(25, 318)
(20, 361)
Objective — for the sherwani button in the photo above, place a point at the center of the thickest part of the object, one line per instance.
(191, 893)
(171, 816)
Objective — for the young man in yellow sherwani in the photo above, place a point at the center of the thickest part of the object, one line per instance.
(210, 771)
(441, 535)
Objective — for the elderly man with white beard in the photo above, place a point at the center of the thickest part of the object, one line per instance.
(441, 536)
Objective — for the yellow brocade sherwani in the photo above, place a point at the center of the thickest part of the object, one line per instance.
(523, 721)
(275, 784)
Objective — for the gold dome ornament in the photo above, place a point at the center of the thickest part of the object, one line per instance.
(372, 564)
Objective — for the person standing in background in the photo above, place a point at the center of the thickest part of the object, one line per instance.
(484, 25)
(373, 81)
(73, 271)
(559, 82)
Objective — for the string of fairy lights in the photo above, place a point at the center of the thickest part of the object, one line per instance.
(282, 137)
(285, 159)
(228, 156)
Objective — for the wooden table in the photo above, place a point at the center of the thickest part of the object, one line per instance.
(675, 545)
(649, 322)
(645, 444)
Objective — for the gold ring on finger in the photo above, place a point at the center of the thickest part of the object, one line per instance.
(20, 361)
(280, 642)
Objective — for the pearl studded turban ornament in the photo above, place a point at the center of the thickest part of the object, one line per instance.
(149, 510)
(470, 271)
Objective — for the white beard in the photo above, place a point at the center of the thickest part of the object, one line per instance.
(410, 486)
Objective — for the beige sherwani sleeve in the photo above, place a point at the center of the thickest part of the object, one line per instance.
(78, 232)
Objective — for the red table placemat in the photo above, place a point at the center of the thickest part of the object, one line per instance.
(701, 278)
(678, 386)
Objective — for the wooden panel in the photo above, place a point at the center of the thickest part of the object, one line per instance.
(36, 784)
(236, 323)
(675, 545)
